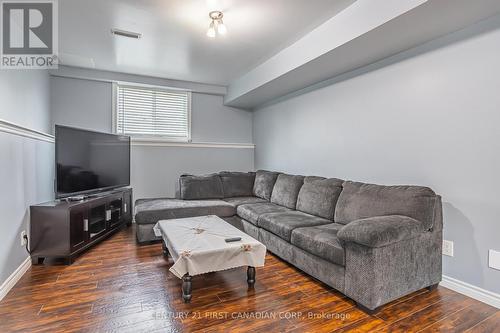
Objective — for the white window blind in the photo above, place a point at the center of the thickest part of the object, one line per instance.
(152, 112)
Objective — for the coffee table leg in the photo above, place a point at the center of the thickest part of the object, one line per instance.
(186, 288)
(251, 276)
(165, 249)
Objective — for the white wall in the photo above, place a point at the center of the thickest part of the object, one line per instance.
(26, 164)
(429, 116)
(24, 98)
(214, 122)
(81, 103)
(154, 170)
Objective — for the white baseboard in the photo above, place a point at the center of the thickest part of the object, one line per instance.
(14, 277)
(477, 293)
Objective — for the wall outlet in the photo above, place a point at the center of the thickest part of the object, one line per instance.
(23, 240)
(494, 259)
(448, 248)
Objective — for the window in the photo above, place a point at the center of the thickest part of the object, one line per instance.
(153, 112)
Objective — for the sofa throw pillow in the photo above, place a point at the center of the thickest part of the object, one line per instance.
(200, 187)
(264, 183)
(286, 190)
(237, 184)
(318, 196)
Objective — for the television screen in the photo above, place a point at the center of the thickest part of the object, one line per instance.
(89, 161)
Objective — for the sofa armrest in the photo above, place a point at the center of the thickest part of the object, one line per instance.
(381, 231)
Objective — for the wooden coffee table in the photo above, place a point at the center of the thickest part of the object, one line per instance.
(197, 246)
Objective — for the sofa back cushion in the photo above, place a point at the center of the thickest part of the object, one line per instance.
(237, 184)
(359, 200)
(318, 196)
(286, 190)
(200, 187)
(264, 183)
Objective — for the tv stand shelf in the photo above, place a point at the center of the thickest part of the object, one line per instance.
(64, 229)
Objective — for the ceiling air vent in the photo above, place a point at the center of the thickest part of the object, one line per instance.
(125, 33)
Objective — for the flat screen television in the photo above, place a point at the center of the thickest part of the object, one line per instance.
(89, 162)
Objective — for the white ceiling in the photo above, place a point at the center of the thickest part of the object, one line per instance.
(174, 44)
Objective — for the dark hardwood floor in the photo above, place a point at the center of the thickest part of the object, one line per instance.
(120, 286)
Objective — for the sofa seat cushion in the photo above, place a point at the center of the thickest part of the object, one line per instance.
(321, 241)
(153, 210)
(282, 224)
(318, 196)
(286, 190)
(237, 201)
(264, 184)
(252, 212)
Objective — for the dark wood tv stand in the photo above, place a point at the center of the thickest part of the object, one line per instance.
(64, 229)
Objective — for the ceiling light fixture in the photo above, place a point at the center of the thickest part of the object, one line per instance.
(217, 26)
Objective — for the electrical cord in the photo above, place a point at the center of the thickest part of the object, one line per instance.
(27, 244)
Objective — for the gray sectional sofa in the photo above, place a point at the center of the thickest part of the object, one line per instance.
(373, 243)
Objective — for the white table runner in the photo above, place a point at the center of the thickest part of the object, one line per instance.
(197, 245)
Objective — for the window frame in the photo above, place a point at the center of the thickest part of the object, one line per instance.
(148, 137)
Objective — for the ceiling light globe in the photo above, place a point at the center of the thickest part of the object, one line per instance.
(211, 30)
(221, 28)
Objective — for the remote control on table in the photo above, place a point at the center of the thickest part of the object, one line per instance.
(234, 239)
